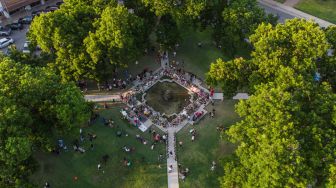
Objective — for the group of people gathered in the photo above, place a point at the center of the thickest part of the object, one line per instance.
(139, 110)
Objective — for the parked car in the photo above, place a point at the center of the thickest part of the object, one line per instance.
(4, 42)
(26, 20)
(15, 26)
(50, 8)
(5, 31)
(25, 48)
(37, 13)
(59, 4)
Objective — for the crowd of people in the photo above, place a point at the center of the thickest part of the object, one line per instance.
(139, 111)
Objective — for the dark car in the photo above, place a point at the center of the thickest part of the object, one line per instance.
(59, 4)
(15, 26)
(5, 31)
(51, 8)
(26, 20)
(37, 13)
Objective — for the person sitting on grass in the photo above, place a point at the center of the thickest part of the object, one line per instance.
(105, 158)
(47, 185)
(110, 123)
(127, 149)
(127, 162)
(152, 146)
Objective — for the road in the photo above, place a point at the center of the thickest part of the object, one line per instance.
(285, 12)
(282, 15)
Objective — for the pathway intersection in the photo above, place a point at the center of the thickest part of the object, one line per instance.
(170, 130)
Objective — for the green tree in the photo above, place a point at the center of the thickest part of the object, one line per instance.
(332, 176)
(61, 33)
(286, 135)
(34, 105)
(119, 39)
(238, 22)
(167, 32)
(331, 35)
(298, 44)
(97, 5)
(191, 8)
(160, 7)
(230, 75)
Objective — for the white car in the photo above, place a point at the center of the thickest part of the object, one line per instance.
(4, 42)
(25, 48)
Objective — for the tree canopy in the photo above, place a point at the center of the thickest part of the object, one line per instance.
(90, 38)
(167, 32)
(237, 22)
(177, 8)
(298, 44)
(62, 33)
(286, 135)
(34, 105)
(331, 36)
(119, 38)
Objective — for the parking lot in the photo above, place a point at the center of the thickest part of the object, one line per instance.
(19, 36)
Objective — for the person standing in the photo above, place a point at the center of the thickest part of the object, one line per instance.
(47, 185)
(170, 168)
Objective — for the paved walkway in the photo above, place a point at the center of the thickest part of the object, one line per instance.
(218, 96)
(293, 12)
(173, 176)
(241, 96)
(291, 3)
(173, 181)
(102, 98)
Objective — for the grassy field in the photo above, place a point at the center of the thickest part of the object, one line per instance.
(324, 9)
(198, 59)
(144, 171)
(197, 156)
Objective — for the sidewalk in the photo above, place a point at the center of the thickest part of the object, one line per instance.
(102, 98)
(173, 181)
(294, 12)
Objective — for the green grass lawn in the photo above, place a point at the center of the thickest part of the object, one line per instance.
(197, 156)
(324, 9)
(144, 171)
(198, 59)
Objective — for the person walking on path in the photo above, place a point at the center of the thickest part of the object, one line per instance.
(170, 168)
